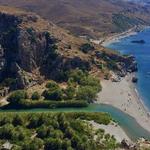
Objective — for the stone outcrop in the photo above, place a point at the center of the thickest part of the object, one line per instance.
(141, 144)
(120, 64)
(32, 49)
(28, 50)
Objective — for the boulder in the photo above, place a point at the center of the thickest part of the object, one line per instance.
(134, 79)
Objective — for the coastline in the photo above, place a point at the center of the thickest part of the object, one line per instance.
(124, 96)
(116, 37)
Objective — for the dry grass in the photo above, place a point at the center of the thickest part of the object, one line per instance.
(82, 17)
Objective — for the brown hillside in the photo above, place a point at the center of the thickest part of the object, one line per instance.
(92, 17)
(33, 49)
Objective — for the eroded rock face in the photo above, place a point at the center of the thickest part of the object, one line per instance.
(121, 64)
(22, 50)
(26, 52)
(32, 49)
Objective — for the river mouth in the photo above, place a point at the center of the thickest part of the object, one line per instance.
(128, 123)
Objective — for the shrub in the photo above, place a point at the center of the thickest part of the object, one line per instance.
(18, 120)
(35, 144)
(58, 131)
(91, 81)
(70, 92)
(52, 85)
(16, 96)
(76, 75)
(35, 96)
(86, 47)
(53, 144)
(53, 94)
(86, 93)
(6, 131)
(9, 81)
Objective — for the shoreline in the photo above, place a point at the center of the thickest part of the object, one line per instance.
(116, 37)
(124, 96)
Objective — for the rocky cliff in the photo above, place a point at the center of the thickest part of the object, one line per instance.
(32, 49)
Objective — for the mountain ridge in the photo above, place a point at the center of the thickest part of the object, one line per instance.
(33, 49)
(88, 18)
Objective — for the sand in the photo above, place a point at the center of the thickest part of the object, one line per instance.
(123, 95)
(112, 129)
(117, 37)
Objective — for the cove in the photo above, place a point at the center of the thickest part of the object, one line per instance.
(129, 124)
(142, 55)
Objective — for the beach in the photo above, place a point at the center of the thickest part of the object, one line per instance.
(113, 129)
(123, 95)
(116, 37)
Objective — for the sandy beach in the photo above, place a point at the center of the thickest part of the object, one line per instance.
(116, 37)
(112, 129)
(123, 95)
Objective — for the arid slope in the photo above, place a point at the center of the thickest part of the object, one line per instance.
(94, 18)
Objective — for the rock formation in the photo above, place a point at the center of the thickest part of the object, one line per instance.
(32, 49)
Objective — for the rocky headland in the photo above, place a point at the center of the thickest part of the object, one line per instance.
(33, 49)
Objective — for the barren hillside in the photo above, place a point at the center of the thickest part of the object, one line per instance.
(93, 17)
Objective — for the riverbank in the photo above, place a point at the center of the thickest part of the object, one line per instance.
(123, 95)
(113, 129)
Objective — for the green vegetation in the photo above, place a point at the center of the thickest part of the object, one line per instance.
(55, 131)
(28, 104)
(9, 82)
(53, 92)
(81, 89)
(16, 96)
(35, 96)
(85, 48)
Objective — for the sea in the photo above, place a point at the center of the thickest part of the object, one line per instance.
(141, 51)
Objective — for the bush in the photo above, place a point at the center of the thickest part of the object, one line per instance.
(35, 96)
(53, 144)
(86, 93)
(16, 96)
(94, 83)
(35, 144)
(58, 131)
(86, 47)
(18, 121)
(52, 85)
(70, 92)
(9, 82)
(53, 94)
(76, 75)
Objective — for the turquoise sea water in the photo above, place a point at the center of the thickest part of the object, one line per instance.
(142, 54)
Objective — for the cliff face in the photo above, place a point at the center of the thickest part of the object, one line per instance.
(32, 49)
(28, 49)
(22, 49)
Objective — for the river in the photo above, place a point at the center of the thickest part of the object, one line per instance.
(129, 124)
